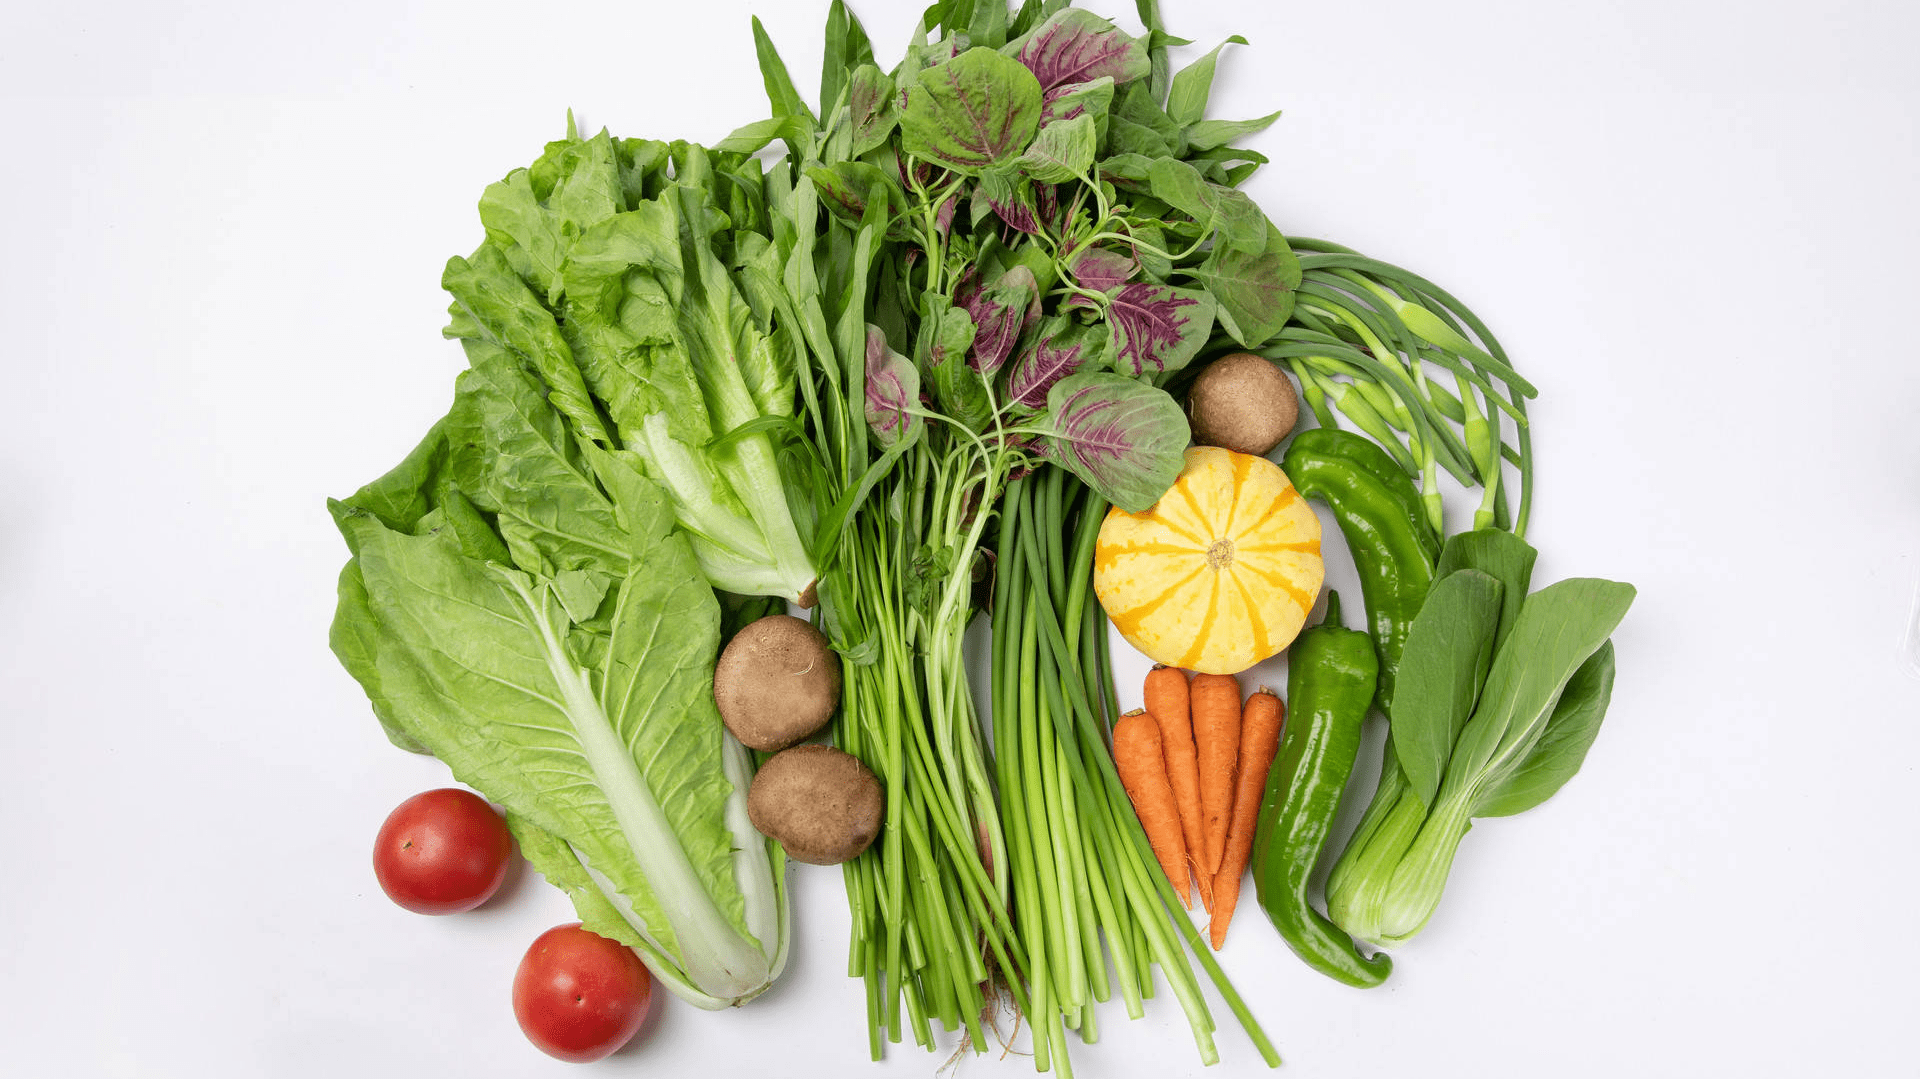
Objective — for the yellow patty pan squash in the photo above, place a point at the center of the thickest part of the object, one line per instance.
(1220, 573)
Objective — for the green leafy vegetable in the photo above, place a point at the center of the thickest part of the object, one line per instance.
(563, 667)
(1533, 717)
(1187, 97)
(1563, 745)
(1441, 671)
(1117, 435)
(846, 50)
(1254, 290)
(1062, 151)
(644, 326)
(972, 112)
(1211, 134)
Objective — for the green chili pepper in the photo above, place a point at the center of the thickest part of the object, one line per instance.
(1330, 682)
(1382, 516)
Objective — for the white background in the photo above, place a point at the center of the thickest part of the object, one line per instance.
(1693, 224)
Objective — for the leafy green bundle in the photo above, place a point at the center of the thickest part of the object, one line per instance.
(520, 602)
(1004, 246)
(607, 269)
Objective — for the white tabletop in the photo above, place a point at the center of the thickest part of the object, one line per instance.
(1692, 223)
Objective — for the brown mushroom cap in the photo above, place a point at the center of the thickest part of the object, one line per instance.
(1242, 402)
(776, 683)
(821, 804)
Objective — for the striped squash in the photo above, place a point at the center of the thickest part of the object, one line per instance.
(1220, 573)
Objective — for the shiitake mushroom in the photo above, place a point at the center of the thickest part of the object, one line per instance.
(1242, 402)
(777, 683)
(818, 802)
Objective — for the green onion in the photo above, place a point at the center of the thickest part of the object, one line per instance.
(1080, 857)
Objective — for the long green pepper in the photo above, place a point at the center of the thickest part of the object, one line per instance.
(1394, 550)
(1331, 677)
(1380, 514)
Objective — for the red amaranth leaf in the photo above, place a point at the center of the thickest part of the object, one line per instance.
(1102, 269)
(1011, 199)
(1001, 312)
(972, 112)
(871, 107)
(1157, 327)
(1077, 46)
(893, 386)
(1069, 100)
(1054, 356)
(1125, 439)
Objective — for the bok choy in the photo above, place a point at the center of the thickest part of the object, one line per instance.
(1501, 692)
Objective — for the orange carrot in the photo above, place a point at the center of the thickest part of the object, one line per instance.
(1215, 702)
(1166, 701)
(1143, 772)
(1259, 741)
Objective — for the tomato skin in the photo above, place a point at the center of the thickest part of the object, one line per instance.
(442, 852)
(579, 996)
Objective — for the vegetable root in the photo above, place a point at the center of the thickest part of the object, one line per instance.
(1138, 757)
(1215, 703)
(1260, 723)
(1165, 696)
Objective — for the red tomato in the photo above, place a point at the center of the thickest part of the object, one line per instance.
(442, 852)
(578, 995)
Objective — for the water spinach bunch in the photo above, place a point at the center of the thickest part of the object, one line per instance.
(994, 254)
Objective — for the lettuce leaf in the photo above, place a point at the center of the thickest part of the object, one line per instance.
(605, 279)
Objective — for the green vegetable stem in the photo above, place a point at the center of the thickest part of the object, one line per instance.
(1331, 672)
(1380, 515)
(1077, 854)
